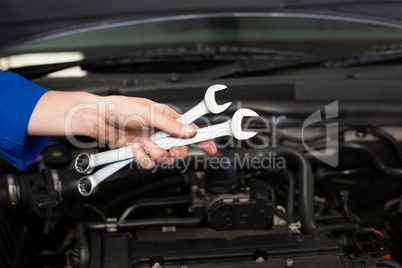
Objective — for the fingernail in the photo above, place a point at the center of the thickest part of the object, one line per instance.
(147, 163)
(213, 144)
(188, 129)
(136, 145)
(176, 155)
(147, 143)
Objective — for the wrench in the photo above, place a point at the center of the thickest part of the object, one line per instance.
(207, 105)
(87, 185)
(231, 127)
(85, 163)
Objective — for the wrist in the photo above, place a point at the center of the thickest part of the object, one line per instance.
(85, 119)
(60, 113)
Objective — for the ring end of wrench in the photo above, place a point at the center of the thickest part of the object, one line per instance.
(82, 163)
(85, 186)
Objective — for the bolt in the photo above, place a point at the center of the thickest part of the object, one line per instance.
(260, 259)
(130, 83)
(157, 265)
(360, 134)
(175, 77)
(289, 263)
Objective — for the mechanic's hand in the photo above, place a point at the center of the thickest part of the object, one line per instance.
(131, 120)
(115, 120)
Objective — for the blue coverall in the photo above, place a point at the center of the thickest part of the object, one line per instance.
(18, 99)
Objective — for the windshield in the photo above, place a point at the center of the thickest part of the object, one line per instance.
(321, 37)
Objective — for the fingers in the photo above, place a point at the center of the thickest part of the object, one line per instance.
(147, 153)
(181, 152)
(166, 110)
(208, 146)
(178, 152)
(164, 119)
(157, 153)
(141, 157)
(171, 126)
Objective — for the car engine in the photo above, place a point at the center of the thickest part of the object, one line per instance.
(267, 202)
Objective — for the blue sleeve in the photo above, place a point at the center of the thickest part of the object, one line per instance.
(18, 99)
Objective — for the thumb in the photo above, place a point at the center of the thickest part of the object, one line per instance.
(173, 127)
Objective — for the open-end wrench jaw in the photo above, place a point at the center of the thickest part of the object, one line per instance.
(210, 100)
(207, 105)
(237, 119)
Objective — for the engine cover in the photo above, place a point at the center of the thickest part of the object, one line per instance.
(198, 249)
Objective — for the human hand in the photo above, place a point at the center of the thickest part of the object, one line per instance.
(114, 120)
(130, 121)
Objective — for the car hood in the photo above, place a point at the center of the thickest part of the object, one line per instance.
(27, 21)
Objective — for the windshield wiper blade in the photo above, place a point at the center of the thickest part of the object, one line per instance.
(252, 51)
(222, 54)
(247, 67)
(375, 55)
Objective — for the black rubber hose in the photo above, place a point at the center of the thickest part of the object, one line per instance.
(387, 263)
(322, 173)
(305, 178)
(146, 223)
(119, 182)
(83, 246)
(135, 194)
(341, 227)
(147, 203)
(24, 185)
(377, 162)
(67, 241)
(389, 140)
(291, 196)
(348, 214)
(330, 217)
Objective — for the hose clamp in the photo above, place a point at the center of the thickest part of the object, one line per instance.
(56, 182)
(111, 225)
(13, 190)
(294, 228)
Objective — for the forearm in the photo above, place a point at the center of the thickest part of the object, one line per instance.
(57, 113)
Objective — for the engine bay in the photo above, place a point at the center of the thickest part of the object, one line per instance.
(269, 202)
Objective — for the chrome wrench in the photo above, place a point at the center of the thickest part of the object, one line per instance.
(231, 127)
(87, 185)
(85, 163)
(207, 105)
